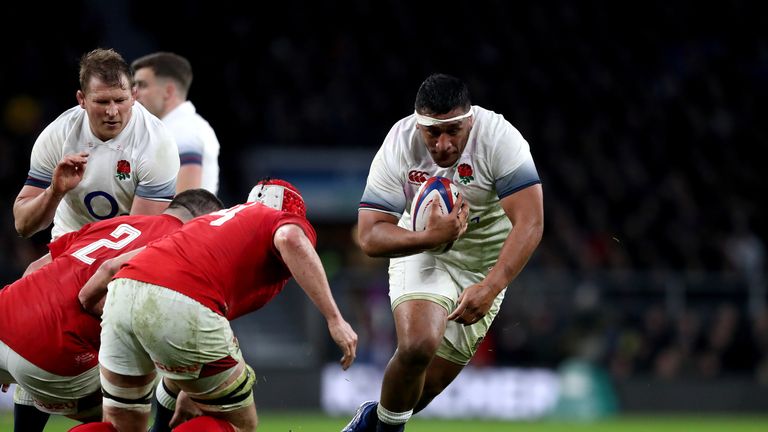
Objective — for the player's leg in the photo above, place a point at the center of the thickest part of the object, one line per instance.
(172, 407)
(40, 393)
(421, 296)
(227, 396)
(420, 325)
(88, 408)
(126, 369)
(127, 400)
(440, 374)
(459, 345)
(27, 418)
(164, 405)
(194, 348)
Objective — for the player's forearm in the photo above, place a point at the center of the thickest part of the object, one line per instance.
(35, 213)
(312, 279)
(387, 240)
(515, 253)
(95, 289)
(40, 262)
(91, 295)
(301, 259)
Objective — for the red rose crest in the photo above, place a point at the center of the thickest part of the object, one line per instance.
(465, 173)
(123, 170)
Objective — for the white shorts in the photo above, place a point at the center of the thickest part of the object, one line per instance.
(425, 277)
(54, 394)
(146, 326)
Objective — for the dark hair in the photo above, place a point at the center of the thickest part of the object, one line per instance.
(167, 65)
(441, 94)
(107, 65)
(197, 201)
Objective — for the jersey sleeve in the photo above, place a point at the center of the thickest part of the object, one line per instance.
(384, 188)
(46, 154)
(159, 168)
(288, 218)
(190, 149)
(511, 160)
(59, 245)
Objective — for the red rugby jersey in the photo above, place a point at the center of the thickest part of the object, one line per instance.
(226, 260)
(40, 316)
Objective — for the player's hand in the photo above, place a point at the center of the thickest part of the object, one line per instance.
(474, 304)
(185, 410)
(346, 339)
(68, 173)
(448, 227)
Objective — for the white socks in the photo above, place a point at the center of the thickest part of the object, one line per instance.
(393, 418)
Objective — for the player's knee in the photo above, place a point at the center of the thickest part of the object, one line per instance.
(94, 427)
(417, 353)
(233, 396)
(128, 398)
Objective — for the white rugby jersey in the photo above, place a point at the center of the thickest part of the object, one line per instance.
(197, 142)
(142, 160)
(495, 163)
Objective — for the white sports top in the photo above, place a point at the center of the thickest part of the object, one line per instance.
(142, 160)
(197, 142)
(496, 162)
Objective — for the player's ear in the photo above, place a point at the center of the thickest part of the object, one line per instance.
(80, 98)
(170, 88)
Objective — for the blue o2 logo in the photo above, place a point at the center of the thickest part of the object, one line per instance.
(113, 207)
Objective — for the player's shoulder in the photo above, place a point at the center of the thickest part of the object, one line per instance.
(148, 129)
(489, 119)
(146, 120)
(67, 120)
(53, 138)
(401, 134)
(492, 125)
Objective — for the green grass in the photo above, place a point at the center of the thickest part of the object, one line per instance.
(313, 422)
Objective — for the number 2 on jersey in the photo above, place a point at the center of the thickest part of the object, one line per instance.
(130, 233)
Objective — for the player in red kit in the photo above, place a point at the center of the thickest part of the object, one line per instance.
(48, 344)
(168, 310)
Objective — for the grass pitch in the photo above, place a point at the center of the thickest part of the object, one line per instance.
(316, 422)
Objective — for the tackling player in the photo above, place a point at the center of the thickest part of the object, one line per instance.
(168, 309)
(48, 343)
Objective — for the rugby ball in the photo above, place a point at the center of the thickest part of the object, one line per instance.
(435, 188)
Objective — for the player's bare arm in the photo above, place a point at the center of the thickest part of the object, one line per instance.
(190, 177)
(526, 211)
(307, 269)
(93, 293)
(143, 206)
(380, 236)
(35, 207)
(38, 263)
(185, 410)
